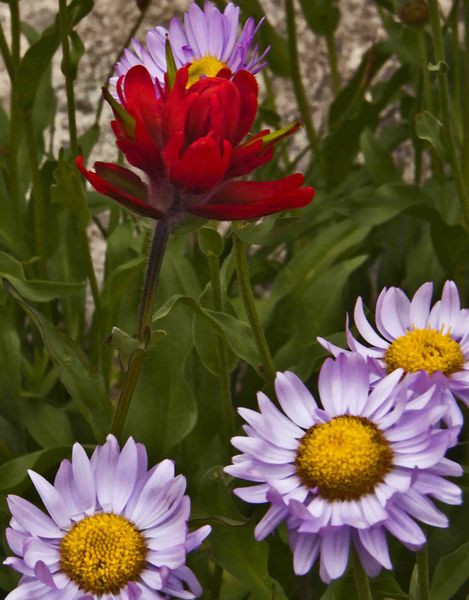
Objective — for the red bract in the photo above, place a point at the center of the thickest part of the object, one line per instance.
(189, 142)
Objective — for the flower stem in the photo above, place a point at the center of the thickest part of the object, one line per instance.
(38, 195)
(332, 56)
(362, 584)
(214, 268)
(456, 51)
(72, 126)
(247, 296)
(15, 115)
(299, 89)
(6, 54)
(439, 52)
(155, 260)
(465, 106)
(217, 581)
(67, 71)
(423, 573)
(428, 103)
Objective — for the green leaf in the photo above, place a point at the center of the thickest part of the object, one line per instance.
(33, 66)
(78, 375)
(10, 355)
(171, 68)
(39, 55)
(34, 290)
(48, 425)
(322, 15)
(450, 574)
(371, 206)
(210, 241)
(236, 333)
(378, 160)
(235, 548)
(428, 127)
(88, 140)
(68, 191)
(14, 474)
(77, 50)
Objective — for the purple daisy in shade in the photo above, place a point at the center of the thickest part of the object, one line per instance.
(207, 39)
(430, 344)
(347, 473)
(115, 530)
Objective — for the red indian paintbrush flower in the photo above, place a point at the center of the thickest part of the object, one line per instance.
(189, 143)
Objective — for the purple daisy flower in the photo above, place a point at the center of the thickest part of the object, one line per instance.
(208, 39)
(348, 473)
(431, 345)
(116, 530)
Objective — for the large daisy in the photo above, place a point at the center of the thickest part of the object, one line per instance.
(347, 473)
(430, 344)
(208, 39)
(115, 530)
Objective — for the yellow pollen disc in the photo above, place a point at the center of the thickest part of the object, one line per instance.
(345, 458)
(425, 350)
(209, 66)
(103, 553)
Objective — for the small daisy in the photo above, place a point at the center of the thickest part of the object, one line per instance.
(430, 345)
(115, 530)
(348, 473)
(207, 39)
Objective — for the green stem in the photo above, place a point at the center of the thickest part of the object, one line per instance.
(445, 108)
(247, 296)
(15, 32)
(456, 51)
(6, 54)
(67, 71)
(465, 112)
(228, 416)
(38, 195)
(428, 103)
(15, 114)
(155, 260)
(332, 56)
(362, 584)
(72, 126)
(298, 87)
(217, 581)
(423, 573)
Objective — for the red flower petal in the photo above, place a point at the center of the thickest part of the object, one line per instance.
(254, 199)
(201, 167)
(122, 185)
(141, 101)
(248, 91)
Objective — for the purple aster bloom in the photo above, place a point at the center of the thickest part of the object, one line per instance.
(431, 344)
(208, 39)
(115, 530)
(348, 473)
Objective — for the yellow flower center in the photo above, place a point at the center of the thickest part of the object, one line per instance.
(345, 458)
(425, 350)
(209, 66)
(103, 553)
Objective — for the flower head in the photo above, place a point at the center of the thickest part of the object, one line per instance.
(207, 40)
(114, 530)
(189, 143)
(430, 344)
(347, 473)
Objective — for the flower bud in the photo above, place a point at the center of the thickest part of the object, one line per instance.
(414, 13)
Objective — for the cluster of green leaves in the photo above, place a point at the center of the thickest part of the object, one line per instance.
(63, 358)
